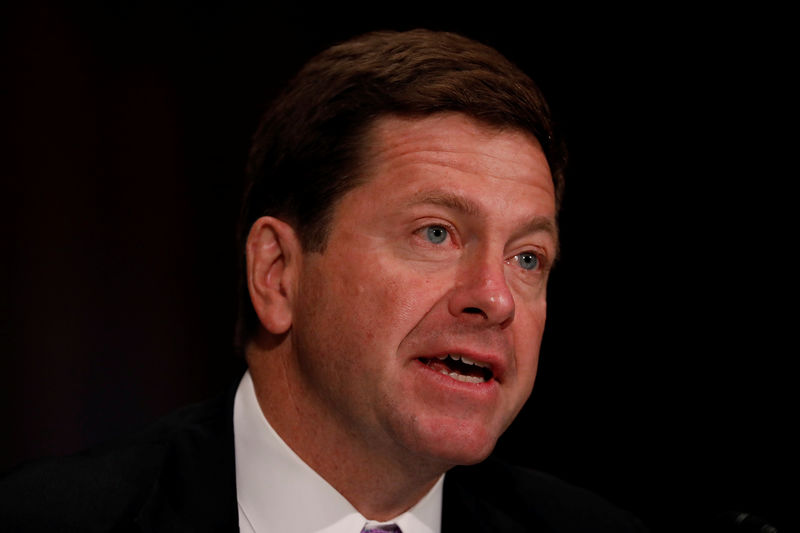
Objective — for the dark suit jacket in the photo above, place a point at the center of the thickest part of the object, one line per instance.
(179, 476)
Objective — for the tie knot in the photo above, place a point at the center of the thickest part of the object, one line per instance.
(385, 528)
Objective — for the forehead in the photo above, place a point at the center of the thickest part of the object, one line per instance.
(453, 148)
(453, 140)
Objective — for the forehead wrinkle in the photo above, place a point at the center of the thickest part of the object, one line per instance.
(484, 163)
(496, 145)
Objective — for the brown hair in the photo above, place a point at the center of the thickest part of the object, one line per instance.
(308, 149)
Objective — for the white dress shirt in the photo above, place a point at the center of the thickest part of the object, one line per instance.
(278, 492)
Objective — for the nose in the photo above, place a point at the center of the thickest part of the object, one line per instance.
(481, 290)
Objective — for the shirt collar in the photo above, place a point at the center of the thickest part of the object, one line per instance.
(277, 491)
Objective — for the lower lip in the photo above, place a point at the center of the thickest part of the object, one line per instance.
(485, 390)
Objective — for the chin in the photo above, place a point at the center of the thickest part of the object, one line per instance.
(457, 443)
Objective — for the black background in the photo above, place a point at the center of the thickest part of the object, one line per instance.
(665, 370)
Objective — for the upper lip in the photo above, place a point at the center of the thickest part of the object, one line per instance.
(496, 363)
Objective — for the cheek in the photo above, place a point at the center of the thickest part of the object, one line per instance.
(393, 296)
(365, 300)
(528, 337)
(393, 313)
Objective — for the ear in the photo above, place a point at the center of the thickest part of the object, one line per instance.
(273, 260)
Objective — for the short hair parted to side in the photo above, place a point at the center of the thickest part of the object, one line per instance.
(309, 147)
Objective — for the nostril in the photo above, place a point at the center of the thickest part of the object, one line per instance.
(474, 311)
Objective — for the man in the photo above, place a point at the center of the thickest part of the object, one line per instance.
(398, 232)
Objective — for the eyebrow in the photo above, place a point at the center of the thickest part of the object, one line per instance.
(537, 224)
(446, 199)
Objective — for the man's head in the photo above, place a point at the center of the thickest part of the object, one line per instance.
(398, 253)
(310, 148)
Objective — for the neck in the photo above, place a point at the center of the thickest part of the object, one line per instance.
(381, 480)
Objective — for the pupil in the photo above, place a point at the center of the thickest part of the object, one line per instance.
(528, 261)
(436, 234)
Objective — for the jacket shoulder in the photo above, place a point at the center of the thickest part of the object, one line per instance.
(103, 488)
(502, 496)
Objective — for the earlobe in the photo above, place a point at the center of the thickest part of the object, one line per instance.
(273, 251)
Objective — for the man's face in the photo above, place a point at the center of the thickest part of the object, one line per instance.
(419, 325)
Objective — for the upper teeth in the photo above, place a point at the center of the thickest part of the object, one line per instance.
(464, 359)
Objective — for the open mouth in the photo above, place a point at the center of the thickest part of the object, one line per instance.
(460, 368)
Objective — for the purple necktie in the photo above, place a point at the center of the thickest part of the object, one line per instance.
(387, 528)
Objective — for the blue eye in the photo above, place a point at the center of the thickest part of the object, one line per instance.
(436, 234)
(527, 261)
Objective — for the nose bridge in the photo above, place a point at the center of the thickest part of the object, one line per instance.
(482, 288)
